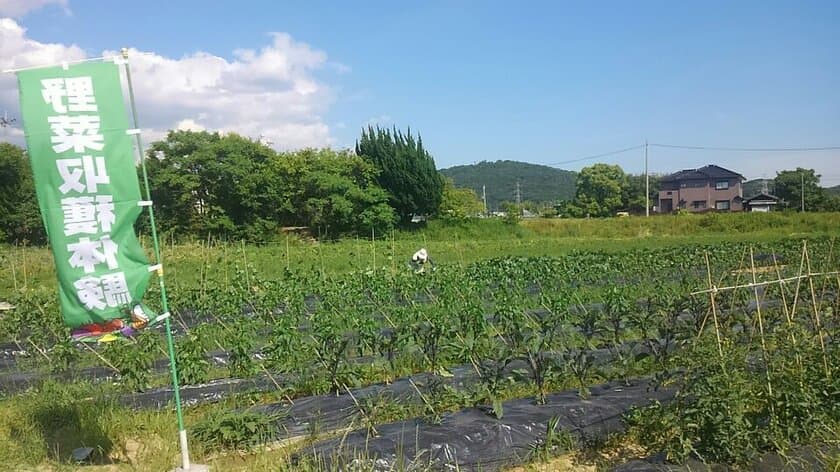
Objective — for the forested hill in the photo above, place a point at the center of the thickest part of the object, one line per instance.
(537, 183)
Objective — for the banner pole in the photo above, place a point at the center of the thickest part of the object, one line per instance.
(182, 432)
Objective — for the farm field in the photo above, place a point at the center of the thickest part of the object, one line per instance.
(598, 341)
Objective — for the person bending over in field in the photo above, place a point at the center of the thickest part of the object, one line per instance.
(419, 261)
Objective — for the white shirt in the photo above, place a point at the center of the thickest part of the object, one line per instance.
(420, 256)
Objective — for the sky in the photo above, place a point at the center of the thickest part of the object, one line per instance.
(540, 82)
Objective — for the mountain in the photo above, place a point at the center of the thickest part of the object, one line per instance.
(537, 183)
(833, 190)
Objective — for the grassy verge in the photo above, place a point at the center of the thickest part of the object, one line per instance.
(448, 243)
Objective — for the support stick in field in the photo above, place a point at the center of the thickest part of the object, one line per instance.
(791, 335)
(25, 275)
(712, 293)
(373, 245)
(14, 273)
(182, 432)
(817, 321)
(245, 266)
(760, 324)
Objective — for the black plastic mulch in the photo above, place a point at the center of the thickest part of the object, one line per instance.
(472, 439)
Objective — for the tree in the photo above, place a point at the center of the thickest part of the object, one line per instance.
(459, 203)
(205, 183)
(601, 191)
(789, 185)
(231, 186)
(333, 192)
(406, 171)
(20, 217)
(634, 195)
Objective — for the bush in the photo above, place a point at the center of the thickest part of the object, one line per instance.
(235, 430)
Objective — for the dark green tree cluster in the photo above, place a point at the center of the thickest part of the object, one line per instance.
(20, 219)
(792, 185)
(230, 186)
(604, 189)
(406, 171)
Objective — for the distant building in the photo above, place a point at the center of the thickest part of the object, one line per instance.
(763, 202)
(707, 188)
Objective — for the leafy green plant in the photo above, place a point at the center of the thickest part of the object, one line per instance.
(241, 342)
(191, 358)
(134, 358)
(230, 430)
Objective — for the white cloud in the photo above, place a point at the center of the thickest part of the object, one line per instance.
(19, 8)
(189, 125)
(380, 120)
(271, 91)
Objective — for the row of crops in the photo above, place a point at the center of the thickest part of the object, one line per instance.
(722, 377)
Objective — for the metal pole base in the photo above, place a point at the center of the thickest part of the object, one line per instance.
(194, 468)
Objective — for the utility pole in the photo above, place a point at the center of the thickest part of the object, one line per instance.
(484, 198)
(518, 196)
(647, 182)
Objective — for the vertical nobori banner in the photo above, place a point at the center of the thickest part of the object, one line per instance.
(86, 180)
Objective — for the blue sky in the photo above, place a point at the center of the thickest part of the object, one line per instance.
(541, 82)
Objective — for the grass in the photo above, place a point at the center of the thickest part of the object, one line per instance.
(39, 429)
(448, 243)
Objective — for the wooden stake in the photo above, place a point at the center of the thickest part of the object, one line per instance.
(712, 293)
(760, 325)
(817, 321)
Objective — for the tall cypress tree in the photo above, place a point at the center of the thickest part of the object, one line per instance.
(406, 170)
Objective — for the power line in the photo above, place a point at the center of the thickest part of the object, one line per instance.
(596, 156)
(738, 149)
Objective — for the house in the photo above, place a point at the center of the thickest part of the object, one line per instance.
(763, 202)
(707, 188)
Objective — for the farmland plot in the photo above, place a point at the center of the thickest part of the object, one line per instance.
(531, 345)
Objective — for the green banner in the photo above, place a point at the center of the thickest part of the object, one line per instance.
(85, 176)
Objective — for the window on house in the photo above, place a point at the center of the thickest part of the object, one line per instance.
(722, 205)
(668, 193)
(721, 185)
(698, 204)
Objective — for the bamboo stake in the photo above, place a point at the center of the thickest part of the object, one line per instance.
(14, 272)
(798, 282)
(245, 263)
(761, 325)
(791, 334)
(393, 253)
(769, 282)
(25, 275)
(288, 264)
(101, 358)
(816, 313)
(825, 280)
(714, 304)
(361, 410)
